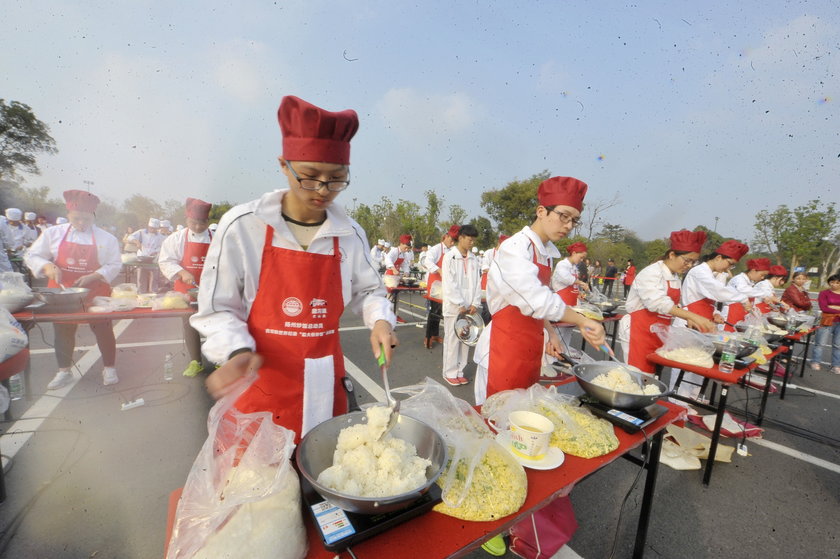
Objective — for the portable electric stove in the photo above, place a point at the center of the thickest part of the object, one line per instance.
(629, 420)
(340, 529)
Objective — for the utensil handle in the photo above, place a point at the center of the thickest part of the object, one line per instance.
(384, 369)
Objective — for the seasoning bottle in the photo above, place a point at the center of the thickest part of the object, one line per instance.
(727, 356)
(168, 367)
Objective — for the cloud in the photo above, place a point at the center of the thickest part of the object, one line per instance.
(420, 119)
(240, 69)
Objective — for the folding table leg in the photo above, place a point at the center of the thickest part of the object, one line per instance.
(724, 391)
(647, 496)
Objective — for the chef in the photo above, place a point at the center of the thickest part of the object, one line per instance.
(398, 260)
(20, 235)
(377, 254)
(757, 270)
(5, 246)
(281, 270)
(147, 242)
(654, 298)
(433, 263)
(703, 287)
(523, 306)
(461, 278)
(776, 277)
(79, 254)
(181, 260)
(566, 283)
(29, 221)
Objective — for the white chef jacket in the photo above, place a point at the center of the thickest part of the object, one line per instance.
(649, 291)
(20, 236)
(172, 250)
(461, 278)
(432, 256)
(701, 283)
(377, 255)
(45, 249)
(394, 254)
(231, 273)
(487, 259)
(150, 243)
(565, 274)
(512, 278)
(765, 288)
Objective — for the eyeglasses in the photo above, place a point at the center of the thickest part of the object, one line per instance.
(565, 218)
(689, 261)
(315, 184)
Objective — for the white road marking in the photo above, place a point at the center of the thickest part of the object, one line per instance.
(814, 391)
(22, 430)
(362, 379)
(796, 454)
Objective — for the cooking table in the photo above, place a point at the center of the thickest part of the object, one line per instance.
(791, 341)
(29, 318)
(395, 291)
(725, 380)
(437, 535)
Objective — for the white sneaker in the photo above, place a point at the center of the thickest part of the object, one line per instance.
(109, 376)
(61, 378)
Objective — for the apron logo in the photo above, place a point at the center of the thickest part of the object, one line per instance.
(317, 303)
(319, 308)
(194, 259)
(71, 261)
(292, 306)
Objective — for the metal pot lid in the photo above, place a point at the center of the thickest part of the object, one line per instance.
(468, 327)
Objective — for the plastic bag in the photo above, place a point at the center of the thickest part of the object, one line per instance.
(171, 300)
(482, 480)
(242, 496)
(684, 345)
(12, 336)
(576, 430)
(594, 295)
(113, 304)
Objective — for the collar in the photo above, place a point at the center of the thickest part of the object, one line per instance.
(546, 250)
(268, 209)
(666, 271)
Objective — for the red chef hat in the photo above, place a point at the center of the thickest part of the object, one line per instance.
(688, 241)
(759, 264)
(733, 249)
(311, 133)
(562, 191)
(778, 271)
(405, 239)
(453, 232)
(81, 201)
(198, 209)
(576, 247)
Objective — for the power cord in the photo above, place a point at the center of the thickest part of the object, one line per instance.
(629, 491)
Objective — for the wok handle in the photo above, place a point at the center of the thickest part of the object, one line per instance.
(352, 404)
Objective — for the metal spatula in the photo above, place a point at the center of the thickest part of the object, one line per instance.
(393, 404)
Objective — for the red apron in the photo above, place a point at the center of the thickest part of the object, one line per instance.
(192, 261)
(763, 307)
(642, 341)
(516, 344)
(294, 321)
(435, 276)
(74, 261)
(397, 265)
(703, 307)
(736, 314)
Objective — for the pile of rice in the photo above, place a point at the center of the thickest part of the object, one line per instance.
(620, 380)
(366, 467)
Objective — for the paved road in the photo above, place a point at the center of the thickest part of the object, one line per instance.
(86, 479)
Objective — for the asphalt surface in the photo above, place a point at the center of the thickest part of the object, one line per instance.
(86, 479)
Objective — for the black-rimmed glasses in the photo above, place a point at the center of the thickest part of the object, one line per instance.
(315, 184)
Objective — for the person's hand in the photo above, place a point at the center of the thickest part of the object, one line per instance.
(748, 306)
(471, 310)
(585, 286)
(593, 332)
(222, 380)
(700, 323)
(186, 277)
(554, 346)
(87, 280)
(718, 319)
(383, 335)
(52, 272)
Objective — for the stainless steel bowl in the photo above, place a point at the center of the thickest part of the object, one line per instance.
(315, 454)
(15, 301)
(61, 300)
(585, 372)
(468, 327)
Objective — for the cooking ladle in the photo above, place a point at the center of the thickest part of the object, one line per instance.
(391, 402)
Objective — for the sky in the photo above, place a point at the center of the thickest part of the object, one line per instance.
(691, 112)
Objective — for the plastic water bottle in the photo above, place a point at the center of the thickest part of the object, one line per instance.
(16, 387)
(168, 367)
(727, 356)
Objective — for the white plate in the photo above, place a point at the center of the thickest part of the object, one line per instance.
(553, 458)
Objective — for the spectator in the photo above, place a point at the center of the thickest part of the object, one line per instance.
(628, 277)
(795, 295)
(829, 333)
(610, 275)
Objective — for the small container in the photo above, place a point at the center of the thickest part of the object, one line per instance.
(530, 434)
(168, 367)
(16, 390)
(728, 355)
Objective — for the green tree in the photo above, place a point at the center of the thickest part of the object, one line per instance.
(141, 208)
(218, 210)
(22, 137)
(713, 238)
(612, 232)
(653, 251)
(363, 215)
(512, 207)
(457, 214)
(487, 236)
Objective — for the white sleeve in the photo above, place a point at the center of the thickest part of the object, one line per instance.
(368, 297)
(108, 252)
(432, 257)
(562, 276)
(453, 296)
(171, 254)
(40, 253)
(651, 287)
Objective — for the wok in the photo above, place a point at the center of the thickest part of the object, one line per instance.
(62, 300)
(744, 349)
(777, 320)
(585, 372)
(315, 454)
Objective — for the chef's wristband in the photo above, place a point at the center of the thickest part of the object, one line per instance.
(238, 351)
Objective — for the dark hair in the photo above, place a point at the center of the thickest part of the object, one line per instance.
(797, 274)
(833, 277)
(712, 256)
(468, 231)
(676, 253)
